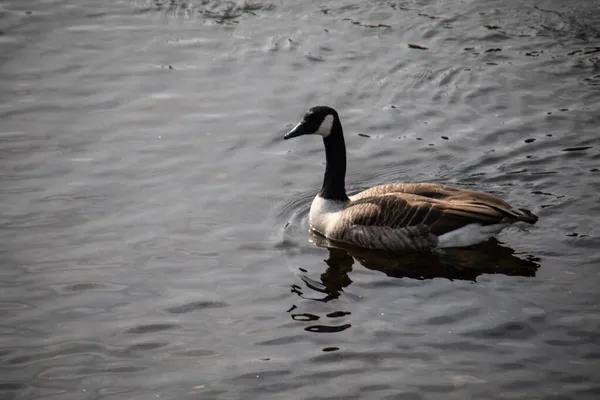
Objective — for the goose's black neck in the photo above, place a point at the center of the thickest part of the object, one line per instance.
(334, 182)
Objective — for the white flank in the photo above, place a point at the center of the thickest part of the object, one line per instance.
(325, 127)
(469, 235)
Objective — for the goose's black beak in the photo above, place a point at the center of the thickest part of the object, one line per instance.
(298, 130)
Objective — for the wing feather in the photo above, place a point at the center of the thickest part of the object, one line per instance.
(415, 237)
(440, 208)
(413, 216)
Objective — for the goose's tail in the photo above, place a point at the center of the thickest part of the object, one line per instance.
(526, 216)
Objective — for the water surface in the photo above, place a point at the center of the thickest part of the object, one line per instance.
(153, 228)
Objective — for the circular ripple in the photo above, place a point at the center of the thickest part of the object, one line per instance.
(291, 219)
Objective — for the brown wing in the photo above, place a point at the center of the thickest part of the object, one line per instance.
(440, 208)
(435, 191)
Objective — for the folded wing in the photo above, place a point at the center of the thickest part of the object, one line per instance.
(439, 208)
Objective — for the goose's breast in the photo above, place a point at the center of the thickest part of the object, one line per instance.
(325, 214)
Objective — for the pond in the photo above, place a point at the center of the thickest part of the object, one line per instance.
(154, 238)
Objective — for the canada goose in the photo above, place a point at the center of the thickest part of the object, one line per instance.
(397, 217)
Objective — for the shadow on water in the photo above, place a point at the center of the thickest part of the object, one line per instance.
(466, 263)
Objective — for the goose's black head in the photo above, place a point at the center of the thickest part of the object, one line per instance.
(320, 120)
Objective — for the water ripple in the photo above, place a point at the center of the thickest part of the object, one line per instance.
(154, 231)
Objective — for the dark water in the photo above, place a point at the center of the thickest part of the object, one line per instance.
(153, 221)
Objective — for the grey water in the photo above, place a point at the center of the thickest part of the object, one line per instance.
(153, 234)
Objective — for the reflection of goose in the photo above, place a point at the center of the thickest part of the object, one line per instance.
(460, 263)
(397, 217)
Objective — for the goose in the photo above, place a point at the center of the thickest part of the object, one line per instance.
(397, 216)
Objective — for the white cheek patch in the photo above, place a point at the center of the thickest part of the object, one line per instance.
(325, 127)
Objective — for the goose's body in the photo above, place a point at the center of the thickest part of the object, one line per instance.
(398, 217)
(417, 216)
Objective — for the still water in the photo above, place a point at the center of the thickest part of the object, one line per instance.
(153, 235)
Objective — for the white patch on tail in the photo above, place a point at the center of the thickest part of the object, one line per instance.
(469, 235)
